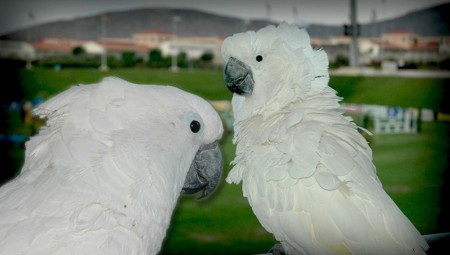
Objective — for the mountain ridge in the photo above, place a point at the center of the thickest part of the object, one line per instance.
(432, 21)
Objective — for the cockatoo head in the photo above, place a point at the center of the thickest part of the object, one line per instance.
(149, 131)
(273, 66)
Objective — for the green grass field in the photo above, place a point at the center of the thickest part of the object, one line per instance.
(46, 82)
(432, 93)
(411, 166)
(398, 91)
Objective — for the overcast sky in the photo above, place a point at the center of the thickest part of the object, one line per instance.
(16, 14)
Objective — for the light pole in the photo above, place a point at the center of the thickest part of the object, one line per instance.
(175, 20)
(383, 30)
(29, 65)
(354, 29)
(104, 65)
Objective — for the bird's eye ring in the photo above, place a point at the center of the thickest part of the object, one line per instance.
(195, 126)
(259, 58)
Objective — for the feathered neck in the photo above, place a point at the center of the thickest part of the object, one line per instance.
(326, 102)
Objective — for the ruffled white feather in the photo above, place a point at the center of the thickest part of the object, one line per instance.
(306, 170)
(104, 174)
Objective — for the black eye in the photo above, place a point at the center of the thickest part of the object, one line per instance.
(195, 126)
(259, 58)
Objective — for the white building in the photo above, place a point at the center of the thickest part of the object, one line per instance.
(151, 38)
(192, 50)
(17, 50)
(194, 47)
(401, 46)
(93, 48)
(56, 46)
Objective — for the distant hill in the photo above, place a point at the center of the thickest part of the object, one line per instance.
(125, 23)
(428, 22)
(434, 21)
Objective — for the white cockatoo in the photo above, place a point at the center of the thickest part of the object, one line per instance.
(103, 176)
(306, 170)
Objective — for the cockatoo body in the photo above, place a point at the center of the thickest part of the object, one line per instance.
(306, 170)
(104, 174)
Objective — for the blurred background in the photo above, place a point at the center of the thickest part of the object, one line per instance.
(389, 60)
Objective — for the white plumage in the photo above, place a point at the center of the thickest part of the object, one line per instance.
(306, 170)
(104, 174)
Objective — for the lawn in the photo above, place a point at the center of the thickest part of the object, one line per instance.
(431, 93)
(411, 167)
(46, 82)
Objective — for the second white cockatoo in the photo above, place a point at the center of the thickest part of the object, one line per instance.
(306, 170)
(104, 175)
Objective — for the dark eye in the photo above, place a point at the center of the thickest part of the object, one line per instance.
(195, 126)
(259, 58)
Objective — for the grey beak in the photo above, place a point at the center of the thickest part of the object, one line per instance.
(238, 77)
(205, 171)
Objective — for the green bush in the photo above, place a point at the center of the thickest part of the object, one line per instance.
(129, 59)
(182, 60)
(157, 60)
(339, 62)
(70, 61)
(78, 51)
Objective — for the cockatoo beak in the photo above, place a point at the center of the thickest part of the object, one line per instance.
(238, 77)
(204, 173)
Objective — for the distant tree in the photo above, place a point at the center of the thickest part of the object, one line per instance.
(182, 60)
(205, 60)
(77, 51)
(129, 59)
(340, 61)
(157, 60)
(207, 57)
